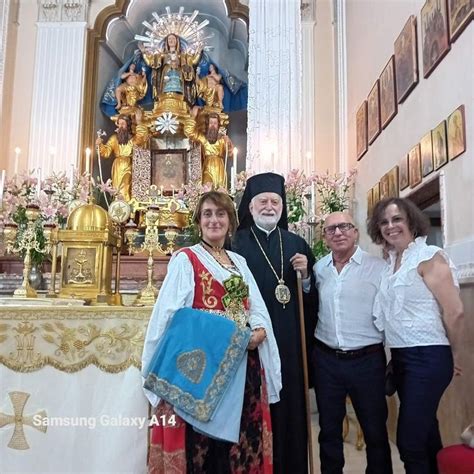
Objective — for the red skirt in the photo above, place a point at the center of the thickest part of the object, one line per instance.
(176, 448)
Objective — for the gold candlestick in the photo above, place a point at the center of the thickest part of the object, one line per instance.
(152, 245)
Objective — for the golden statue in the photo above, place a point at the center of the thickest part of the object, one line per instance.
(215, 148)
(121, 145)
(211, 89)
(173, 69)
(132, 89)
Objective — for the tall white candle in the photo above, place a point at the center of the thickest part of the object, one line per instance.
(88, 160)
(38, 186)
(232, 179)
(309, 164)
(17, 159)
(234, 156)
(52, 155)
(273, 161)
(71, 175)
(2, 185)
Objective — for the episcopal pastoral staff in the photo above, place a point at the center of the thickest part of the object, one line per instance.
(349, 357)
(273, 255)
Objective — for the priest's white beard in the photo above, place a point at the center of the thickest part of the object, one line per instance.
(267, 222)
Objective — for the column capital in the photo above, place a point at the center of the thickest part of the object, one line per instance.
(62, 10)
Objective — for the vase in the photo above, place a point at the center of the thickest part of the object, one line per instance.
(36, 276)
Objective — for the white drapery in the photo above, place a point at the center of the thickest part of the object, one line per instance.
(274, 103)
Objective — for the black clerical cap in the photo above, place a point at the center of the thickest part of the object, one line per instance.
(262, 183)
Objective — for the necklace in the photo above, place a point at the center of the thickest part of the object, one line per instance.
(232, 268)
(215, 248)
(282, 292)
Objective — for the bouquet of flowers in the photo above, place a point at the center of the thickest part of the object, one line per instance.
(334, 195)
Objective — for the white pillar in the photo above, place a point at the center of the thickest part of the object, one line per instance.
(57, 86)
(340, 22)
(308, 129)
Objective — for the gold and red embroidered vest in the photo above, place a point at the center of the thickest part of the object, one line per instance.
(208, 292)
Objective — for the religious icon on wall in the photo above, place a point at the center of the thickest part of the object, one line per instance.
(373, 113)
(361, 130)
(403, 173)
(388, 98)
(426, 150)
(393, 190)
(376, 194)
(460, 13)
(434, 34)
(414, 165)
(384, 191)
(370, 202)
(440, 151)
(456, 133)
(406, 60)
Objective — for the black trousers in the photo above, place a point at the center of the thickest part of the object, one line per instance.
(422, 374)
(363, 380)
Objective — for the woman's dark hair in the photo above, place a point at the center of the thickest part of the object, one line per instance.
(222, 201)
(418, 223)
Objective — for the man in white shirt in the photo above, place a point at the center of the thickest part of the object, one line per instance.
(349, 358)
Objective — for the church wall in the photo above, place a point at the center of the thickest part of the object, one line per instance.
(372, 28)
(325, 89)
(17, 122)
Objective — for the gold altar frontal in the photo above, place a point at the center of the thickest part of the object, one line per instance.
(70, 338)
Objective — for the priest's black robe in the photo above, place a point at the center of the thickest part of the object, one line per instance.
(288, 415)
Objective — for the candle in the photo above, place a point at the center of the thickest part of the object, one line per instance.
(232, 179)
(38, 186)
(17, 159)
(52, 155)
(273, 161)
(172, 191)
(309, 164)
(71, 175)
(2, 184)
(161, 190)
(88, 161)
(234, 156)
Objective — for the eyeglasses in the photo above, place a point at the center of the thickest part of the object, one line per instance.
(343, 227)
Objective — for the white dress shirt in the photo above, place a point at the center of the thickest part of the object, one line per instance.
(346, 301)
(405, 307)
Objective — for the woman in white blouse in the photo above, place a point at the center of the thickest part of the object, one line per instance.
(203, 277)
(420, 311)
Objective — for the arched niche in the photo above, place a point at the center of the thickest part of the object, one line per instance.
(111, 41)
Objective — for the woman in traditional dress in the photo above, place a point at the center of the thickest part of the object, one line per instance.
(203, 277)
(420, 310)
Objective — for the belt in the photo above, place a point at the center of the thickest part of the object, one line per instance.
(351, 354)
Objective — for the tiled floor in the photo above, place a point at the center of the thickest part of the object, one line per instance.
(355, 459)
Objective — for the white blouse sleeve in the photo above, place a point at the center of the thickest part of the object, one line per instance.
(268, 349)
(177, 291)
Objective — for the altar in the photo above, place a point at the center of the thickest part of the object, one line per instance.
(71, 389)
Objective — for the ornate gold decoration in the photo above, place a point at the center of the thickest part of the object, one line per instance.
(192, 365)
(208, 299)
(27, 244)
(70, 339)
(18, 419)
(86, 260)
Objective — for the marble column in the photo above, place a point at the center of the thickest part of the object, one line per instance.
(58, 84)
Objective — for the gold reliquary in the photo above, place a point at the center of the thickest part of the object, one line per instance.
(86, 256)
